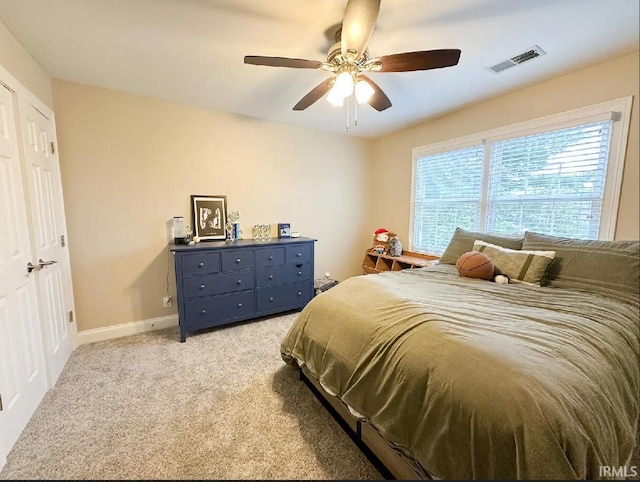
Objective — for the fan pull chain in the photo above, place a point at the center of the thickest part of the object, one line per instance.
(355, 120)
(347, 110)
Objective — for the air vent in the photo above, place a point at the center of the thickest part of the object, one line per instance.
(525, 56)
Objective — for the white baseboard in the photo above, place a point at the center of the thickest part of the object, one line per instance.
(126, 329)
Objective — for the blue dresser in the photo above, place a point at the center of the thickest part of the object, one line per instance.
(222, 282)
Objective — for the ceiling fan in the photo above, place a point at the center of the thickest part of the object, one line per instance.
(349, 59)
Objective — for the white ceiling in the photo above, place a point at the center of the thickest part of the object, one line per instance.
(191, 51)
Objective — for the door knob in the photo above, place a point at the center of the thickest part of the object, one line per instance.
(31, 267)
(42, 264)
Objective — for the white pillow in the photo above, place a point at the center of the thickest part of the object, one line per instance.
(518, 264)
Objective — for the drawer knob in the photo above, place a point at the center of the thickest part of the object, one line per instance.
(200, 265)
(299, 255)
(299, 273)
(239, 282)
(270, 258)
(201, 287)
(239, 305)
(270, 299)
(299, 293)
(270, 276)
(203, 311)
(238, 261)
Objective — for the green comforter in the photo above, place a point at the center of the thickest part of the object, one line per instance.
(474, 379)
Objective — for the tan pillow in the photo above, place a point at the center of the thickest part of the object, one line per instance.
(519, 265)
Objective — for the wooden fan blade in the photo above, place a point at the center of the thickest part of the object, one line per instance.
(421, 60)
(379, 100)
(360, 18)
(282, 62)
(315, 93)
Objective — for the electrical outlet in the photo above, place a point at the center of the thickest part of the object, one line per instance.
(166, 301)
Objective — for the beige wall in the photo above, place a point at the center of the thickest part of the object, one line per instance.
(15, 59)
(391, 158)
(130, 163)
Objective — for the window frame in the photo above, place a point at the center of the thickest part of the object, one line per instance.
(617, 110)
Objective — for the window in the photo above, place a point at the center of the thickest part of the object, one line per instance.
(559, 175)
(448, 193)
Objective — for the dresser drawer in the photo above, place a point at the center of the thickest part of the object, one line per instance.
(235, 260)
(217, 284)
(300, 252)
(213, 310)
(296, 272)
(269, 257)
(201, 263)
(278, 275)
(287, 296)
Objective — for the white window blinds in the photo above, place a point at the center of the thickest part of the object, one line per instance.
(559, 176)
(447, 194)
(550, 183)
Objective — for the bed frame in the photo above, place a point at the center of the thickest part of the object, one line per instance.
(388, 461)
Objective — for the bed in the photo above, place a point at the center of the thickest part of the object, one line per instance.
(469, 379)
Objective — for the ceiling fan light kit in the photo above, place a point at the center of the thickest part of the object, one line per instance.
(363, 91)
(334, 98)
(343, 85)
(348, 61)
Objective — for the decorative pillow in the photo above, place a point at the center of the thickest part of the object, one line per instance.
(475, 265)
(610, 266)
(519, 265)
(462, 242)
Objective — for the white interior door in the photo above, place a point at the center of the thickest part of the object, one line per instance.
(23, 377)
(47, 220)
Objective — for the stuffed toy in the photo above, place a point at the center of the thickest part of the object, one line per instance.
(381, 241)
(395, 246)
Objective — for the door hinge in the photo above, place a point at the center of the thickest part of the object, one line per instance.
(53, 147)
(63, 243)
(71, 316)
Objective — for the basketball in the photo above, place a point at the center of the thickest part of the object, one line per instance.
(475, 264)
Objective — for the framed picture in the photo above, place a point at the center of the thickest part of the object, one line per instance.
(284, 230)
(209, 215)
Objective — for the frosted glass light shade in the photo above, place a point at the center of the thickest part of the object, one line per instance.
(334, 98)
(344, 84)
(364, 91)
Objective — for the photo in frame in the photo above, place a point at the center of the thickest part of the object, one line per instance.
(284, 230)
(209, 216)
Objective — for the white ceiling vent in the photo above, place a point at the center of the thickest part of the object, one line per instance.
(525, 56)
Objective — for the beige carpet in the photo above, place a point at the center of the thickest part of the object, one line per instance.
(223, 405)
